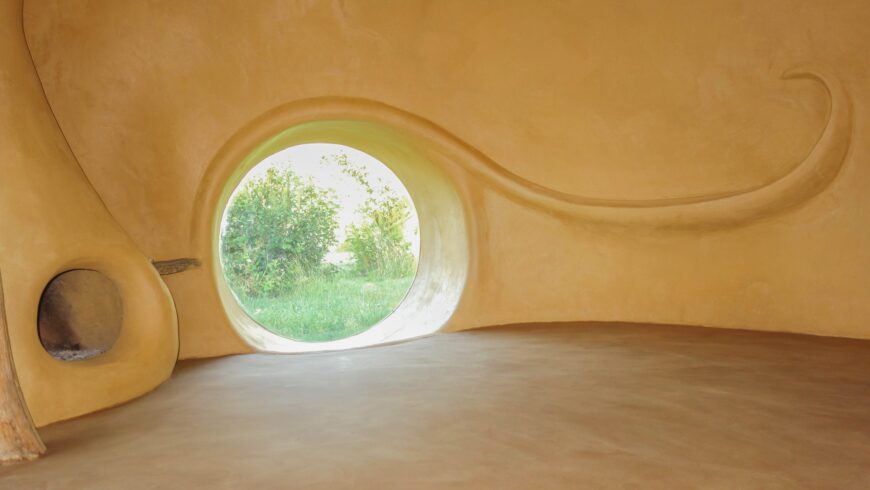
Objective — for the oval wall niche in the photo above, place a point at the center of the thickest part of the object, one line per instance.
(80, 315)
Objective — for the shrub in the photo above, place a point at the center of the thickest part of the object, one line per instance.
(378, 243)
(278, 229)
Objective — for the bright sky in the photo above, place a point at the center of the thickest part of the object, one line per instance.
(307, 161)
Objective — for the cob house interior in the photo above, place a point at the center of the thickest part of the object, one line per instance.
(434, 244)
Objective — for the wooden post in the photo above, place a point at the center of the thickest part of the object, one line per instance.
(19, 440)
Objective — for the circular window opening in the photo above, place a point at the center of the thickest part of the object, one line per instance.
(319, 242)
(80, 315)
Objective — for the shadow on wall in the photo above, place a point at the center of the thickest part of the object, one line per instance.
(80, 315)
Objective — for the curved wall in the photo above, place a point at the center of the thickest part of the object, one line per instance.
(53, 221)
(532, 109)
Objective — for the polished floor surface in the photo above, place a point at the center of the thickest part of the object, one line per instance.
(566, 406)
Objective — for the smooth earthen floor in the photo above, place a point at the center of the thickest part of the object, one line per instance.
(568, 406)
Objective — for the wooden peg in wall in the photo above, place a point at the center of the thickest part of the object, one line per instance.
(174, 266)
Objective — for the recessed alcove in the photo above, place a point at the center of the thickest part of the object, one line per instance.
(80, 315)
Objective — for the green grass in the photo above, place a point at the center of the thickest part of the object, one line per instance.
(329, 308)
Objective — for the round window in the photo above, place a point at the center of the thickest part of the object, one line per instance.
(319, 242)
(80, 315)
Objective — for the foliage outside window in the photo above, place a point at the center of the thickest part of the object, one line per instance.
(301, 267)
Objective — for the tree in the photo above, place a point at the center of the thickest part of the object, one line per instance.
(378, 243)
(278, 229)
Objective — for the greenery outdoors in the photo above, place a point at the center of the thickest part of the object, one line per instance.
(278, 232)
(329, 309)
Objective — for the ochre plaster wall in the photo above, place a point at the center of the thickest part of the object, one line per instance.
(53, 221)
(611, 111)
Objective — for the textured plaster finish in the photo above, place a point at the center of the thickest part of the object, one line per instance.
(523, 107)
(53, 221)
(573, 406)
(617, 103)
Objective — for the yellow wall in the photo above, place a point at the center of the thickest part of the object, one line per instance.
(53, 221)
(635, 161)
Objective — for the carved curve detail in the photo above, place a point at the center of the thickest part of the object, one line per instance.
(805, 180)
